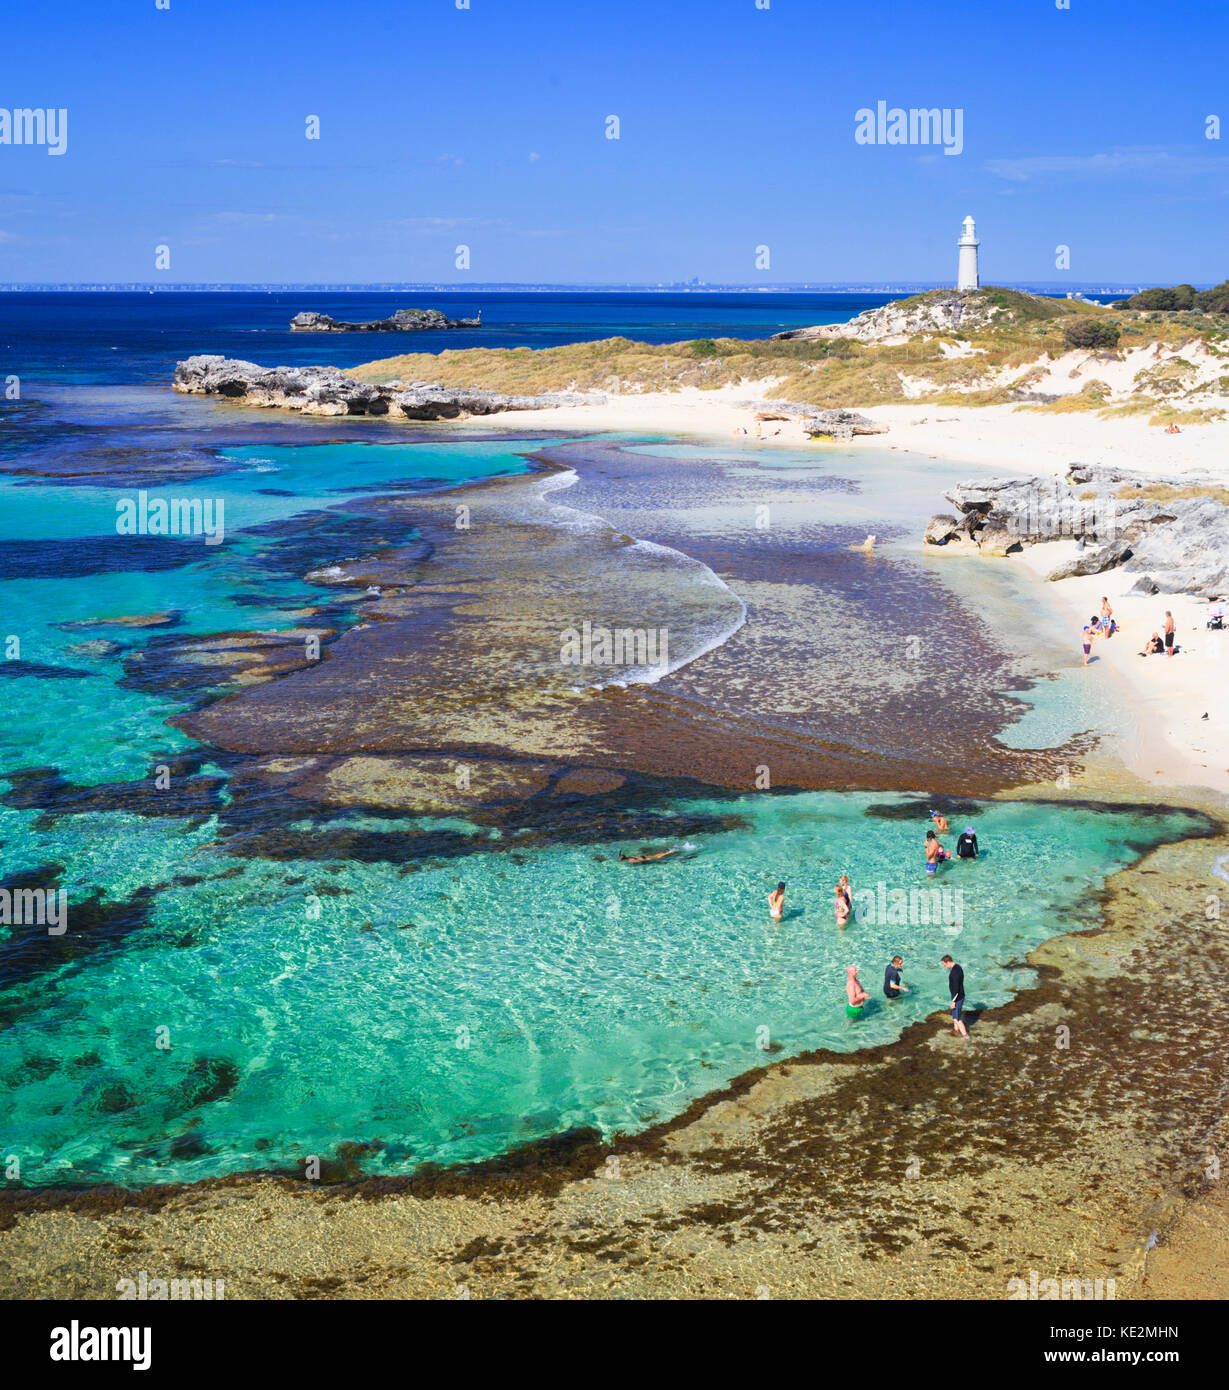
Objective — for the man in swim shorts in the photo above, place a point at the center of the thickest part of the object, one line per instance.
(955, 987)
(892, 986)
(934, 852)
(1169, 633)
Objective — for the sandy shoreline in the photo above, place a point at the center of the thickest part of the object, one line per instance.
(1006, 438)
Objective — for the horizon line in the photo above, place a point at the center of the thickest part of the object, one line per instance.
(541, 286)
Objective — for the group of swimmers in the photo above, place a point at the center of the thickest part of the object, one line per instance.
(893, 988)
(966, 848)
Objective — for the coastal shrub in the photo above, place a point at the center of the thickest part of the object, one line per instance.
(704, 347)
(1091, 333)
(1178, 298)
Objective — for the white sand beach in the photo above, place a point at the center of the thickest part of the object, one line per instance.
(1007, 438)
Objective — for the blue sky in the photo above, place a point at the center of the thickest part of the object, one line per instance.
(486, 127)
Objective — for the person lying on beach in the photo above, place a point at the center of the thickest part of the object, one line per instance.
(841, 907)
(776, 901)
(1153, 646)
(854, 992)
(940, 822)
(645, 858)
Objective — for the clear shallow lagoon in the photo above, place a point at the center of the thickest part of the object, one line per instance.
(449, 1013)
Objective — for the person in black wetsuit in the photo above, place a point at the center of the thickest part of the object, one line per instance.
(892, 986)
(966, 845)
(955, 988)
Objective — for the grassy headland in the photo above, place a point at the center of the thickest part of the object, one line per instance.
(1006, 347)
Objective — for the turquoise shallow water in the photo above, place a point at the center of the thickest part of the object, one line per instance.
(449, 1013)
(93, 729)
(243, 1013)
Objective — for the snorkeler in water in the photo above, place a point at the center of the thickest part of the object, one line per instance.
(646, 858)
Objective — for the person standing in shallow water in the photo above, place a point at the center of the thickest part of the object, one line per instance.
(955, 987)
(776, 902)
(844, 900)
(892, 986)
(935, 854)
(854, 992)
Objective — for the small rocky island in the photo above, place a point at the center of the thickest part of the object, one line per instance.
(403, 321)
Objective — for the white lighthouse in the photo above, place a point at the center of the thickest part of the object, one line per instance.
(966, 275)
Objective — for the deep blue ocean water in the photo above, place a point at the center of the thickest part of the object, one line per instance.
(126, 337)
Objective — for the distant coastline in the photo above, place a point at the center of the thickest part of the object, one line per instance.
(1048, 288)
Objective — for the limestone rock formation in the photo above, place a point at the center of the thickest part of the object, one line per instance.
(935, 312)
(841, 424)
(327, 391)
(1179, 542)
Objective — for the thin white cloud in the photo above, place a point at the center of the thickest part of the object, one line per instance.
(246, 219)
(447, 224)
(1124, 159)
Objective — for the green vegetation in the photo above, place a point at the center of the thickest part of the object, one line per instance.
(1181, 297)
(965, 366)
(1099, 334)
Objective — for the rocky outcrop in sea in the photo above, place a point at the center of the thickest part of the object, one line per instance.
(1178, 543)
(328, 391)
(403, 321)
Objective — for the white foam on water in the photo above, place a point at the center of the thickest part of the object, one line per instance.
(573, 519)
